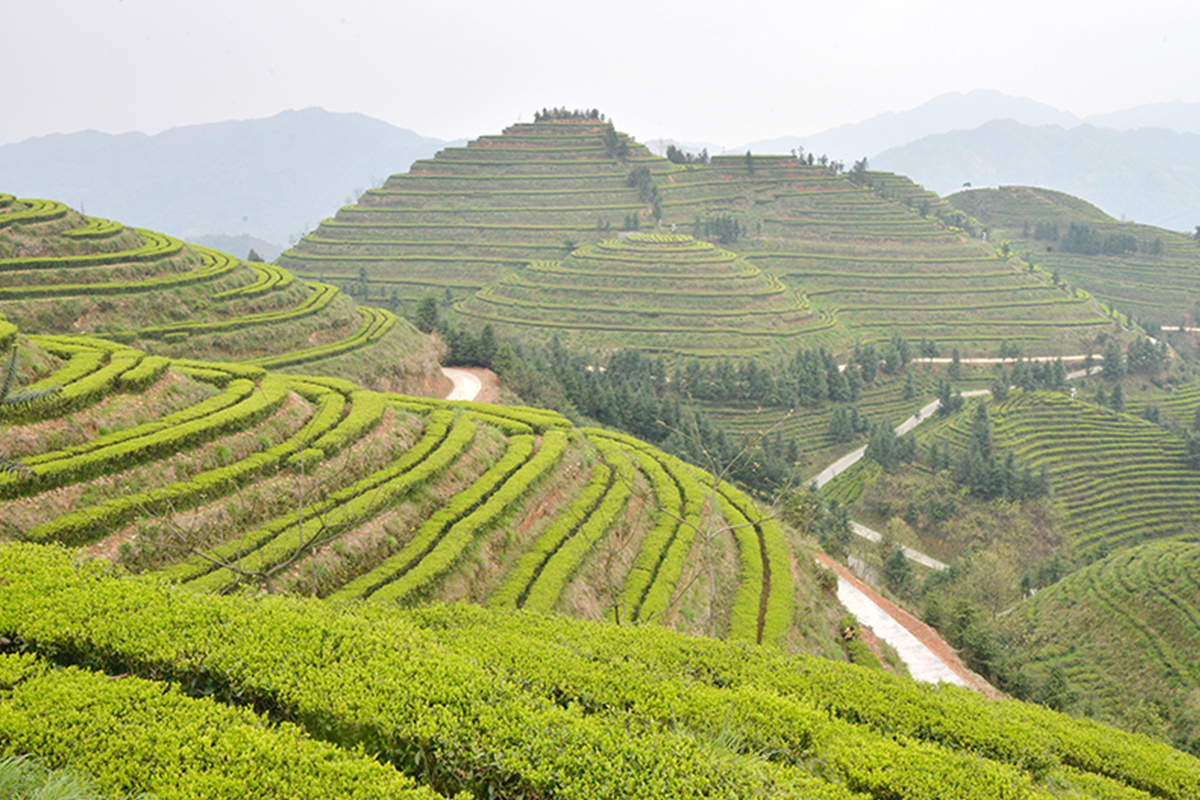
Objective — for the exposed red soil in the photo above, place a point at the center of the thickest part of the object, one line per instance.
(927, 635)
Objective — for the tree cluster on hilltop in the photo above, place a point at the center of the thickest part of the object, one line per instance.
(1086, 240)
(562, 113)
(678, 156)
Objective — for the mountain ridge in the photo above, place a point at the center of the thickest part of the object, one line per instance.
(269, 178)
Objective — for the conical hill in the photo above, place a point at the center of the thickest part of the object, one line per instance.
(650, 290)
(874, 254)
(465, 218)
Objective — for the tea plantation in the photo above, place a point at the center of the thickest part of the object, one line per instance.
(812, 257)
(236, 561)
(1147, 273)
(1090, 634)
(372, 700)
(69, 274)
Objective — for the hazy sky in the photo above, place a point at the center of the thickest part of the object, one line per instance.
(724, 72)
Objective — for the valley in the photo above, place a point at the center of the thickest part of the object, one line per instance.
(272, 511)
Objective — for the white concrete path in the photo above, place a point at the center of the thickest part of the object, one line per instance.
(466, 385)
(913, 555)
(923, 664)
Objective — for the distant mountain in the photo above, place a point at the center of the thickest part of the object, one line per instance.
(659, 147)
(1175, 115)
(1149, 175)
(239, 246)
(269, 178)
(945, 113)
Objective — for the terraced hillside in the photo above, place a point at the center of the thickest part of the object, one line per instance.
(1121, 479)
(1150, 274)
(464, 219)
(652, 291)
(378, 701)
(862, 256)
(69, 274)
(880, 262)
(1118, 639)
(215, 475)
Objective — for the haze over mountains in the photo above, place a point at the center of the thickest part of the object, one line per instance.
(269, 178)
(263, 182)
(1149, 175)
(1141, 163)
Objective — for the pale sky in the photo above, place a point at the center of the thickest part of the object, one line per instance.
(726, 72)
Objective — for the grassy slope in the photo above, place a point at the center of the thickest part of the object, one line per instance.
(69, 274)
(1158, 287)
(391, 491)
(1119, 483)
(1123, 634)
(866, 259)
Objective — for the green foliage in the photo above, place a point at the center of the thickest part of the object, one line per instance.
(725, 227)
(561, 113)
(377, 323)
(1135, 666)
(987, 475)
(183, 747)
(887, 449)
(23, 779)
(827, 521)
(509, 704)
(1114, 367)
(34, 211)
(950, 400)
(238, 407)
(1088, 241)
(677, 156)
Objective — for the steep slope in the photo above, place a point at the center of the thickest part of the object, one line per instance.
(516, 705)
(1148, 273)
(1117, 639)
(652, 291)
(869, 262)
(462, 220)
(69, 274)
(215, 475)
(1119, 479)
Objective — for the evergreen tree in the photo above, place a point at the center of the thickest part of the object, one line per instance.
(955, 370)
(839, 426)
(999, 387)
(949, 398)
(1116, 400)
(897, 572)
(1191, 440)
(426, 315)
(1114, 362)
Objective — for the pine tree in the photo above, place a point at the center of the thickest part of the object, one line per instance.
(1116, 400)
